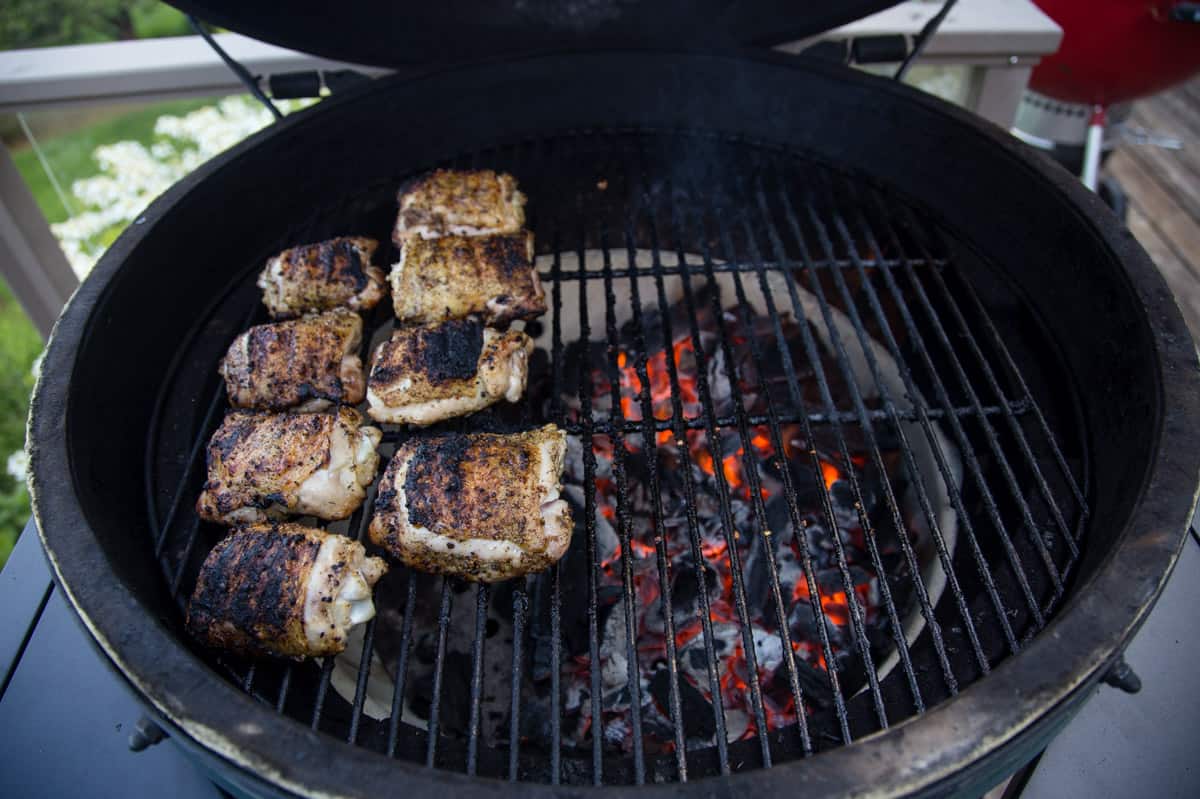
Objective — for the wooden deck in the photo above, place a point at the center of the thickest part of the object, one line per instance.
(1163, 187)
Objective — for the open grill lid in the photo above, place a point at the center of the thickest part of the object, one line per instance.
(391, 34)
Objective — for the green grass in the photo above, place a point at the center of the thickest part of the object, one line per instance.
(19, 346)
(70, 154)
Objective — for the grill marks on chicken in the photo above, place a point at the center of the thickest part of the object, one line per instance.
(264, 466)
(459, 202)
(423, 375)
(457, 276)
(483, 507)
(317, 277)
(283, 589)
(306, 364)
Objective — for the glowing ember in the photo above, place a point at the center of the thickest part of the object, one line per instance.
(760, 529)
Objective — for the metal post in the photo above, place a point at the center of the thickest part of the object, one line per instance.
(1094, 147)
(31, 262)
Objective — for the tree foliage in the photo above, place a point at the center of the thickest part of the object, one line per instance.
(46, 23)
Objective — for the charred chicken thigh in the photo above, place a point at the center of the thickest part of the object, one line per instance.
(283, 589)
(483, 507)
(318, 277)
(423, 375)
(459, 202)
(456, 276)
(267, 465)
(306, 364)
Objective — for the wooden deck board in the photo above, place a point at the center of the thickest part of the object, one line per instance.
(1163, 187)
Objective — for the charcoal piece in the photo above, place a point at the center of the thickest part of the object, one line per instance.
(814, 682)
(685, 589)
(695, 710)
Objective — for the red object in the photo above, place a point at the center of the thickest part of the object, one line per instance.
(1116, 50)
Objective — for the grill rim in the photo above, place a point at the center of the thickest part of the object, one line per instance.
(208, 712)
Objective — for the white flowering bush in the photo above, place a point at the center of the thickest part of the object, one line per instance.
(132, 174)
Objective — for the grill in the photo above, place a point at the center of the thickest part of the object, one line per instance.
(743, 225)
(874, 472)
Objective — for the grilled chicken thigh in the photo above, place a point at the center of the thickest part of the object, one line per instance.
(306, 364)
(423, 375)
(454, 202)
(456, 276)
(267, 465)
(283, 589)
(317, 277)
(482, 507)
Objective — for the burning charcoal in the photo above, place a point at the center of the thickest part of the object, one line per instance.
(607, 543)
(614, 658)
(814, 682)
(638, 361)
(685, 590)
(768, 649)
(695, 710)
(736, 724)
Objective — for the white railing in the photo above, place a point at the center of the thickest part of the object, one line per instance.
(999, 41)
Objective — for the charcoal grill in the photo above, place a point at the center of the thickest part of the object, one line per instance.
(953, 293)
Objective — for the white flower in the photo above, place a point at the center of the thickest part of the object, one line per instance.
(18, 464)
(133, 175)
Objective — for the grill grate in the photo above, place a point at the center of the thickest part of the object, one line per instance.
(890, 310)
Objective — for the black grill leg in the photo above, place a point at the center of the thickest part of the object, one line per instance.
(1122, 676)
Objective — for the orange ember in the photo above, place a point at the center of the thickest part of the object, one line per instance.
(830, 473)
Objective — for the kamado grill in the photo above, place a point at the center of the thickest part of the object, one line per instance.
(882, 440)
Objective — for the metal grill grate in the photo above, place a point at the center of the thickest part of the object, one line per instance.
(884, 310)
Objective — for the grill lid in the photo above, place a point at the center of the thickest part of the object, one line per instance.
(391, 34)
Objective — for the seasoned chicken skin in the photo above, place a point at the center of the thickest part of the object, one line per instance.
(306, 364)
(267, 465)
(423, 375)
(482, 507)
(456, 276)
(283, 589)
(317, 277)
(459, 202)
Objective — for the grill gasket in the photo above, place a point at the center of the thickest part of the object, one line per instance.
(1023, 407)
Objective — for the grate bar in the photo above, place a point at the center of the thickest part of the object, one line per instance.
(520, 608)
(360, 683)
(406, 628)
(857, 622)
(556, 366)
(910, 460)
(799, 525)
(989, 432)
(1027, 398)
(1019, 434)
(716, 450)
(733, 265)
(624, 523)
(285, 685)
(650, 448)
(439, 664)
(964, 443)
(935, 445)
(589, 515)
(893, 506)
(990, 377)
(824, 493)
(696, 549)
(481, 613)
(831, 417)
